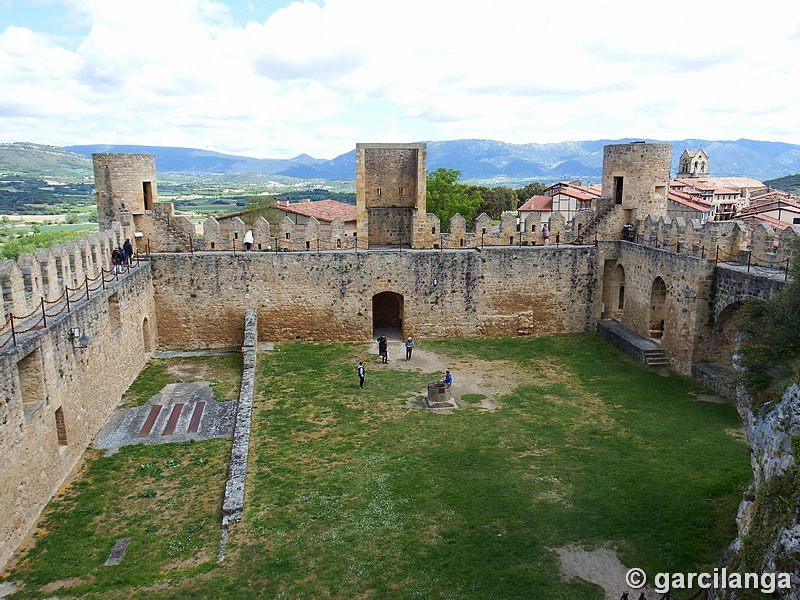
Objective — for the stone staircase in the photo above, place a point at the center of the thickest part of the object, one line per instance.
(172, 237)
(656, 358)
(587, 234)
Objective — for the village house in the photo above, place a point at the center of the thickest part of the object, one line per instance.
(681, 204)
(566, 197)
(779, 213)
(300, 213)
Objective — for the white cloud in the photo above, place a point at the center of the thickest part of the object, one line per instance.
(317, 78)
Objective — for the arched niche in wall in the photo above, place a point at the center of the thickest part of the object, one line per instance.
(658, 308)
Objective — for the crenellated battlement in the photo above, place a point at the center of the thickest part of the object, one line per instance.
(722, 241)
(43, 276)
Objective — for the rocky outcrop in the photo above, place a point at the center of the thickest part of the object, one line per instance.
(769, 515)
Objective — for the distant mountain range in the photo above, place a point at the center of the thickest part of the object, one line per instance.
(478, 160)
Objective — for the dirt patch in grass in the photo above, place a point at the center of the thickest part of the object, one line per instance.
(601, 567)
(472, 377)
(738, 433)
(61, 584)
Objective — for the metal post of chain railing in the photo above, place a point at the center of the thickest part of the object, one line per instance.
(13, 331)
(716, 255)
(786, 271)
(678, 247)
(66, 295)
(234, 246)
(44, 313)
(86, 283)
(749, 260)
(702, 251)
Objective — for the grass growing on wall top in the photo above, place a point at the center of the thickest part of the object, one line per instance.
(356, 494)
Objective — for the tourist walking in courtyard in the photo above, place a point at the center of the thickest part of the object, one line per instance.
(362, 372)
(409, 347)
(383, 348)
(448, 379)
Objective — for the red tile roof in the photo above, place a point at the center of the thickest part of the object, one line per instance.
(776, 204)
(755, 218)
(689, 202)
(537, 204)
(322, 210)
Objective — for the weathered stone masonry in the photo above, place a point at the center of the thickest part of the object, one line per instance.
(56, 397)
(499, 291)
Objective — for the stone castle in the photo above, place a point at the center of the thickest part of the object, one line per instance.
(76, 333)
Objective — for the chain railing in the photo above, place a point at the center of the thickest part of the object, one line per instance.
(765, 264)
(18, 325)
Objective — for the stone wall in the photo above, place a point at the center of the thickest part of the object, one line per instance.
(328, 296)
(55, 397)
(654, 302)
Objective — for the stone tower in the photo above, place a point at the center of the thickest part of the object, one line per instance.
(636, 178)
(635, 183)
(693, 164)
(125, 186)
(390, 193)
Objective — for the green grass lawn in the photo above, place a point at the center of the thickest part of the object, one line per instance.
(355, 494)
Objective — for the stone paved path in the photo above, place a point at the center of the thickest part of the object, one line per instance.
(179, 412)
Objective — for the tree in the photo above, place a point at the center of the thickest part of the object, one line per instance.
(496, 200)
(770, 349)
(526, 193)
(446, 197)
(264, 206)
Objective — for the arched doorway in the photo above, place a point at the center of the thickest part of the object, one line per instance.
(618, 290)
(658, 308)
(613, 290)
(387, 314)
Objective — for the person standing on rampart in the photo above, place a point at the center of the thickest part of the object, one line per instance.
(546, 233)
(248, 240)
(128, 248)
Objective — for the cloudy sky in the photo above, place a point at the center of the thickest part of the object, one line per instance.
(274, 78)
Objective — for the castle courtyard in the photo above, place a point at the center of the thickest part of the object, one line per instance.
(563, 453)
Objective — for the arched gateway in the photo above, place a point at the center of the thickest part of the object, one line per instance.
(387, 313)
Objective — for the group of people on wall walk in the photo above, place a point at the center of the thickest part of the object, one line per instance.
(122, 256)
(383, 352)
